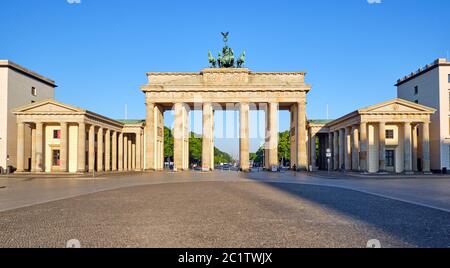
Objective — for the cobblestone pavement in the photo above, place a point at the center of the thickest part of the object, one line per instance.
(233, 213)
(430, 191)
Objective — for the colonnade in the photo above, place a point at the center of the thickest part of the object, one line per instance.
(154, 121)
(362, 146)
(98, 147)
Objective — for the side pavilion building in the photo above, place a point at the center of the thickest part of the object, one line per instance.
(380, 138)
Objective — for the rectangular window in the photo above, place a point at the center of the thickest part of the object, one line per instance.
(57, 134)
(449, 78)
(34, 91)
(416, 90)
(390, 158)
(389, 134)
(56, 158)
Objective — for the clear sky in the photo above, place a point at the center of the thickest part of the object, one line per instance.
(98, 51)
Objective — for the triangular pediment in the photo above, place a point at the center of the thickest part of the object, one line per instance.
(48, 106)
(397, 106)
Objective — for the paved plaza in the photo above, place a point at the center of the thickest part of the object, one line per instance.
(225, 209)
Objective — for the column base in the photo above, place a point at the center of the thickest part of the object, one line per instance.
(408, 173)
(427, 173)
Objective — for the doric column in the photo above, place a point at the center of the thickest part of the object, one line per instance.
(330, 148)
(208, 136)
(130, 153)
(336, 150)
(363, 147)
(125, 152)
(302, 156)
(341, 148)
(150, 136)
(20, 147)
(108, 150)
(382, 146)
(273, 135)
(347, 149)
(426, 147)
(120, 153)
(33, 149)
(244, 134)
(114, 151)
(100, 149)
(138, 151)
(293, 135)
(415, 147)
(63, 147)
(408, 148)
(39, 147)
(81, 153)
(133, 155)
(312, 147)
(91, 148)
(178, 133)
(355, 148)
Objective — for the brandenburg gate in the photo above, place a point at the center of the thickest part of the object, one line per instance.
(222, 84)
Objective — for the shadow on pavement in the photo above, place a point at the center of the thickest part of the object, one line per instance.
(413, 224)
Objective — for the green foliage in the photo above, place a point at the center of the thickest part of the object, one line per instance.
(284, 147)
(284, 150)
(221, 157)
(168, 143)
(195, 149)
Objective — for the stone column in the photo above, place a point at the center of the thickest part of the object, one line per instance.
(341, 148)
(125, 152)
(63, 147)
(138, 151)
(91, 148)
(81, 152)
(100, 150)
(20, 147)
(426, 147)
(186, 136)
(407, 147)
(312, 146)
(355, 148)
(347, 149)
(330, 148)
(382, 146)
(273, 135)
(130, 153)
(415, 147)
(133, 155)
(363, 147)
(302, 156)
(336, 150)
(120, 154)
(208, 136)
(108, 150)
(39, 147)
(114, 151)
(33, 150)
(178, 133)
(244, 135)
(150, 137)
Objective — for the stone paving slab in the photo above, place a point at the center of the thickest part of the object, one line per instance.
(225, 214)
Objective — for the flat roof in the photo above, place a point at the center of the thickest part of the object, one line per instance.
(27, 72)
(420, 71)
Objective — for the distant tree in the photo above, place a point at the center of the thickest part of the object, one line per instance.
(284, 150)
(168, 144)
(284, 147)
(195, 149)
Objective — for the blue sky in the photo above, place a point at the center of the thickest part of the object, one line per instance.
(353, 51)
